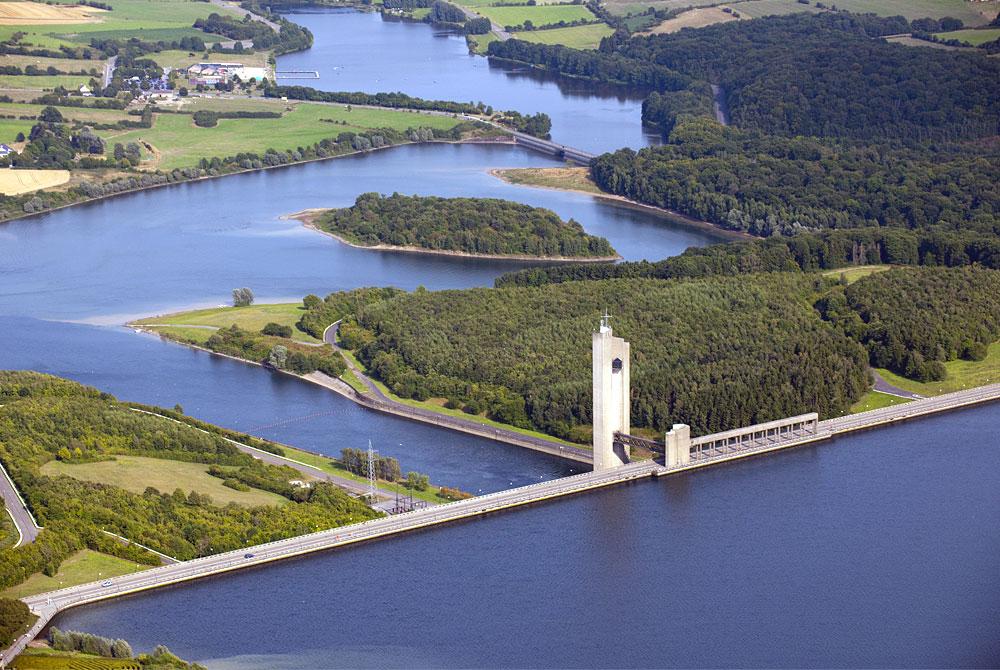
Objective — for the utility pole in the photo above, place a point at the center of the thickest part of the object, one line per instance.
(371, 474)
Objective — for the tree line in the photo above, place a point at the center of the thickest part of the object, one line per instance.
(804, 251)
(467, 225)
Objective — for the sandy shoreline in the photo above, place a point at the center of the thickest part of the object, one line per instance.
(633, 204)
(308, 217)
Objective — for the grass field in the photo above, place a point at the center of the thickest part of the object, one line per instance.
(961, 375)
(43, 81)
(144, 19)
(578, 37)
(971, 13)
(15, 182)
(973, 37)
(539, 15)
(63, 64)
(876, 400)
(180, 143)
(135, 473)
(699, 17)
(71, 113)
(569, 178)
(480, 43)
(21, 12)
(182, 59)
(82, 567)
(853, 274)
(49, 659)
(253, 318)
(906, 40)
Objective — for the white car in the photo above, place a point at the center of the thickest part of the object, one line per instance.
(106, 582)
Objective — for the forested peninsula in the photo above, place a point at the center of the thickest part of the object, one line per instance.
(480, 227)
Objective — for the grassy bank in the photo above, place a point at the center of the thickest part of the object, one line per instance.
(876, 400)
(82, 567)
(253, 317)
(566, 179)
(961, 375)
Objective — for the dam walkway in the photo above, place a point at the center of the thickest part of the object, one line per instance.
(47, 605)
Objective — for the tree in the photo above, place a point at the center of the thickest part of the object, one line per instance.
(14, 618)
(121, 649)
(417, 481)
(278, 357)
(242, 297)
(50, 115)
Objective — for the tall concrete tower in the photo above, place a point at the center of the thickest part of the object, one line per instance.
(611, 395)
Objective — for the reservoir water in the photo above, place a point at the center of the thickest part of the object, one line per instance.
(360, 51)
(878, 549)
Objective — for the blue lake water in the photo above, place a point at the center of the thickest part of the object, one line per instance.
(875, 550)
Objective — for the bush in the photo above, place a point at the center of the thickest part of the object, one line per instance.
(276, 330)
(15, 618)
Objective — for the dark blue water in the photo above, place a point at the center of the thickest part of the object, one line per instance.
(355, 51)
(870, 551)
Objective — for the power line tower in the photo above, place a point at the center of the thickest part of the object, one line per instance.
(371, 473)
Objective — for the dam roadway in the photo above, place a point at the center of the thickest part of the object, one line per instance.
(47, 605)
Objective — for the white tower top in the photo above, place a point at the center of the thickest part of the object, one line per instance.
(606, 322)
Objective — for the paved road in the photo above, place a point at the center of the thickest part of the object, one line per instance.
(109, 70)
(18, 511)
(379, 400)
(243, 12)
(882, 386)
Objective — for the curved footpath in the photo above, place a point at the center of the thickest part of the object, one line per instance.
(377, 400)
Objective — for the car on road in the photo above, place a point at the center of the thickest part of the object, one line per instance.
(106, 582)
(247, 555)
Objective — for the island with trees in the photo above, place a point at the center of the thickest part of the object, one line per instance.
(477, 227)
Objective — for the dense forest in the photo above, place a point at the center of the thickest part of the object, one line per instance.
(915, 319)
(768, 184)
(715, 353)
(825, 250)
(465, 225)
(832, 126)
(46, 418)
(828, 75)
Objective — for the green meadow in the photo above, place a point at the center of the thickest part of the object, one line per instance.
(539, 15)
(578, 37)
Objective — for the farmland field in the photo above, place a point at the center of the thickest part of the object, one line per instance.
(539, 15)
(84, 114)
(43, 81)
(973, 37)
(15, 182)
(971, 13)
(182, 59)
(578, 37)
(21, 13)
(47, 659)
(694, 18)
(180, 143)
(145, 19)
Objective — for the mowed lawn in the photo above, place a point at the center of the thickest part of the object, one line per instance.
(252, 318)
(70, 113)
(876, 400)
(577, 37)
(135, 473)
(973, 37)
(82, 567)
(146, 19)
(180, 143)
(539, 15)
(961, 375)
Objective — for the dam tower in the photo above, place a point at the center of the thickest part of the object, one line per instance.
(612, 396)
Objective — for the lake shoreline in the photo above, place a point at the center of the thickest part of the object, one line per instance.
(308, 216)
(677, 217)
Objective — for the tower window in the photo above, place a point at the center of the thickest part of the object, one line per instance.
(616, 365)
